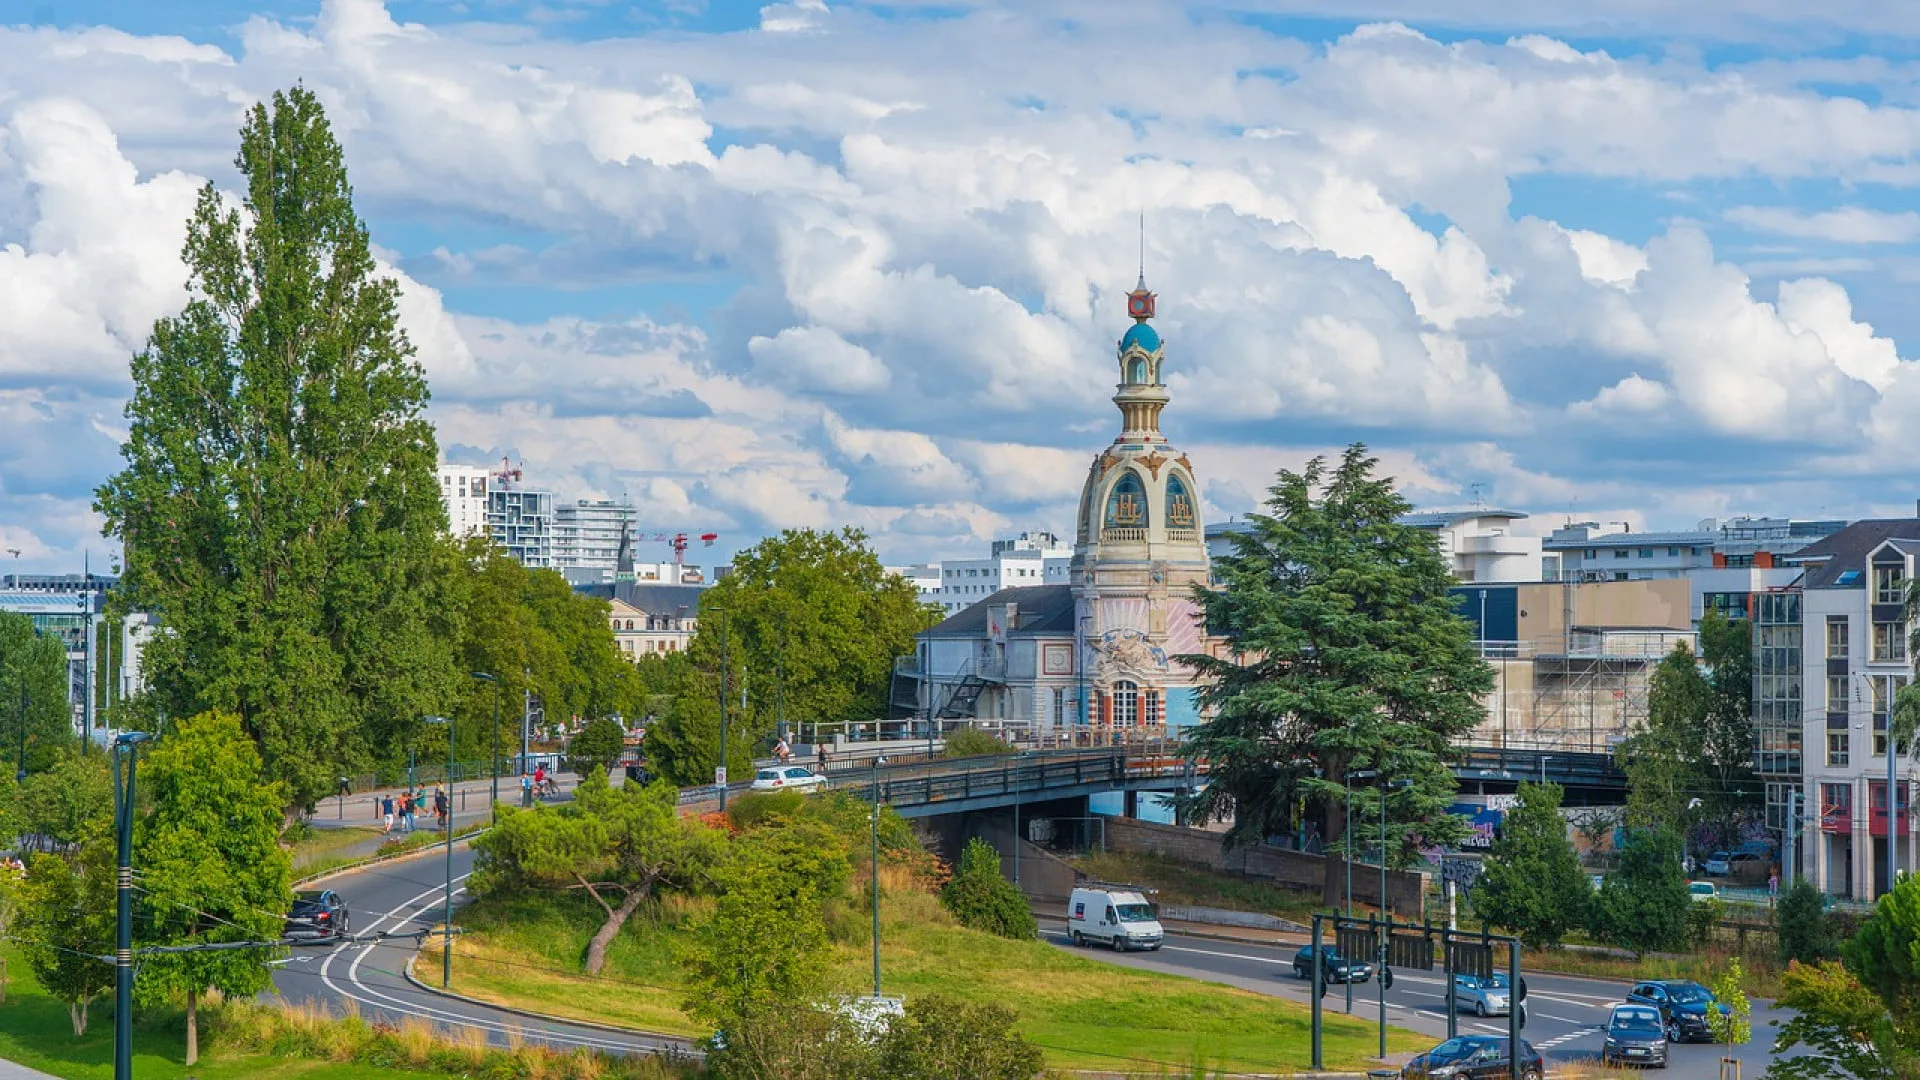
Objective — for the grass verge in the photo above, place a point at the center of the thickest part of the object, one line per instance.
(325, 849)
(1178, 882)
(1083, 1013)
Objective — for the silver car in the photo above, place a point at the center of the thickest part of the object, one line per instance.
(1486, 997)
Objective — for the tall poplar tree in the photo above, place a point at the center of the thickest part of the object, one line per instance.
(279, 508)
(1345, 653)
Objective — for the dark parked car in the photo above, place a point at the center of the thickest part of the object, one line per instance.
(1635, 1036)
(1473, 1056)
(1336, 968)
(317, 915)
(1683, 1007)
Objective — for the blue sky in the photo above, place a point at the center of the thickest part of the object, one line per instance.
(816, 263)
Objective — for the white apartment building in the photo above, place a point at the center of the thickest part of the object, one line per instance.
(1481, 546)
(463, 490)
(594, 535)
(1854, 662)
(1032, 558)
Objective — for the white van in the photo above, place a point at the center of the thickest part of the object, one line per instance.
(1117, 915)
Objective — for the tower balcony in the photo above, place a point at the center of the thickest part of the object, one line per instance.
(1123, 536)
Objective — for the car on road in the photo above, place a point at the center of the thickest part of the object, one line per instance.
(1491, 996)
(317, 915)
(1718, 863)
(788, 778)
(1703, 891)
(1635, 1036)
(1335, 968)
(1683, 1007)
(1474, 1057)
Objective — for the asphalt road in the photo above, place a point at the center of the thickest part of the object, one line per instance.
(407, 896)
(1565, 1015)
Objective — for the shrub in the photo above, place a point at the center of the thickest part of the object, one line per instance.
(1702, 915)
(972, 742)
(983, 900)
(753, 808)
(941, 1038)
(1804, 929)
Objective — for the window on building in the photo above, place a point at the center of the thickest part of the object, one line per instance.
(1889, 584)
(1836, 800)
(1646, 553)
(1836, 693)
(1880, 746)
(1673, 552)
(1126, 703)
(1621, 553)
(1890, 642)
(1620, 575)
(1836, 749)
(1836, 637)
(1593, 553)
(1059, 705)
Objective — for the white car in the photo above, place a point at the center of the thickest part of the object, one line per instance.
(1719, 864)
(788, 778)
(1703, 891)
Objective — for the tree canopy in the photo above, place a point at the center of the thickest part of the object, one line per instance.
(210, 863)
(278, 508)
(1347, 654)
(66, 924)
(1643, 903)
(1690, 761)
(33, 677)
(1532, 883)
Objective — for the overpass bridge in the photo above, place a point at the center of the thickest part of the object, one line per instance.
(931, 788)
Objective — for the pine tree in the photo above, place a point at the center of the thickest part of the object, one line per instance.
(279, 508)
(1532, 883)
(1347, 654)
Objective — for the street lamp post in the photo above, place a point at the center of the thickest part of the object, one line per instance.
(123, 932)
(720, 771)
(485, 677)
(1380, 960)
(446, 939)
(26, 702)
(875, 837)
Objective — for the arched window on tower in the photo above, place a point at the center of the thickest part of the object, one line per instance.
(1127, 503)
(1139, 372)
(1126, 703)
(1179, 503)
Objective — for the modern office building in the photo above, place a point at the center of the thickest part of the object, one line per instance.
(1593, 551)
(1033, 558)
(595, 535)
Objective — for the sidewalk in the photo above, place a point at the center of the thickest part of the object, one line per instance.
(11, 1071)
(362, 808)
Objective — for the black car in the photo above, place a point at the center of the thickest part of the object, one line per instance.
(1683, 1007)
(317, 915)
(1335, 968)
(1636, 1035)
(1474, 1056)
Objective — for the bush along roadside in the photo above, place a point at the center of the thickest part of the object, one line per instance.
(314, 1033)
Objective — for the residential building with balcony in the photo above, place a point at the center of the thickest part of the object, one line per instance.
(1854, 662)
(594, 540)
(463, 491)
(1479, 545)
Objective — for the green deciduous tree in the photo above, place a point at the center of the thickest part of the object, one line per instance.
(684, 744)
(615, 844)
(1801, 923)
(1532, 883)
(64, 804)
(1642, 904)
(66, 925)
(1885, 953)
(943, 1038)
(982, 899)
(763, 952)
(1843, 1030)
(1347, 653)
(1658, 754)
(1691, 760)
(211, 865)
(279, 508)
(33, 678)
(598, 745)
(1732, 1022)
(812, 621)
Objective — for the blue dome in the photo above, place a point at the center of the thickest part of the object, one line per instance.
(1142, 335)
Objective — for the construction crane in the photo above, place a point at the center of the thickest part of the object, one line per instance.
(507, 470)
(680, 542)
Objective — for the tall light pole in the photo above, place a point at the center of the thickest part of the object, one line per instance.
(129, 742)
(485, 677)
(26, 702)
(446, 940)
(875, 834)
(1380, 960)
(1346, 838)
(720, 770)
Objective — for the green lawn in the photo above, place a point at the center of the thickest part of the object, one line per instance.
(325, 849)
(1083, 1013)
(1179, 882)
(35, 1032)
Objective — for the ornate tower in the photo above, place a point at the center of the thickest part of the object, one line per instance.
(1138, 551)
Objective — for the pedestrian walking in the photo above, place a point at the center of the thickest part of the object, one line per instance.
(406, 811)
(442, 808)
(386, 814)
(1773, 886)
(526, 790)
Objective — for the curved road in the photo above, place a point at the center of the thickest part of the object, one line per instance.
(1565, 1014)
(403, 897)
